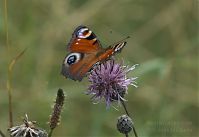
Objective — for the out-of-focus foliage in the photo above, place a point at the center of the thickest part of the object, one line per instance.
(164, 41)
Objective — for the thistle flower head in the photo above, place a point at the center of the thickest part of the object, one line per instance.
(109, 82)
(27, 129)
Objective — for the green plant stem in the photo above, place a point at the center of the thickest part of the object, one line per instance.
(135, 133)
(125, 108)
(126, 135)
(9, 85)
(2, 134)
(6, 24)
(9, 75)
(10, 100)
(50, 132)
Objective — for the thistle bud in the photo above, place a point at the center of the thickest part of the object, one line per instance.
(124, 124)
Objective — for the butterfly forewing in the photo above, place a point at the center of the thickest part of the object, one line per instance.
(84, 40)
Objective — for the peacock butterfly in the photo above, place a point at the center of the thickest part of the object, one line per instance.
(85, 53)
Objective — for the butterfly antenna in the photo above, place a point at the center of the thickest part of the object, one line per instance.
(120, 41)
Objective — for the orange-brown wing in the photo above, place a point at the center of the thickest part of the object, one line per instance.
(85, 52)
(84, 41)
(76, 65)
(110, 51)
(83, 48)
(100, 57)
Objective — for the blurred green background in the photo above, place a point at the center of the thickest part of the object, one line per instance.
(164, 41)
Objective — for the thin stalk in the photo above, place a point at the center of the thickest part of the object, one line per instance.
(135, 133)
(126, 135)
(50, 132)
(125, 108)
(6, 23)
(10, 99)
(9, 75)
(2, 134)
(9, 85)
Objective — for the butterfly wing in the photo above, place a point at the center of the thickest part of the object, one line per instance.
(100, 57)
(85, 52)
(84, 40)
(85, 62)
(78, 70)
(111, 50)
(83, 48)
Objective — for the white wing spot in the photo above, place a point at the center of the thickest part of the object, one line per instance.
(89, 33)
(119, 47)
(81, 31)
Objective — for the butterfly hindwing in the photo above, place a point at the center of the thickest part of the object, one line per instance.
(80, 67)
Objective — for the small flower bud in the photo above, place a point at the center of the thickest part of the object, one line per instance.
(124, 124)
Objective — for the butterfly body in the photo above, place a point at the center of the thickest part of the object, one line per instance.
(85, 52)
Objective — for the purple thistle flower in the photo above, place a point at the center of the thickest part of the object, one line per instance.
(109, 82)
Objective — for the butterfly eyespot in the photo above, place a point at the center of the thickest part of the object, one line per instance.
(84, 33)
(72, 58)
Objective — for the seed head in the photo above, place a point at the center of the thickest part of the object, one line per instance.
(27, 129)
